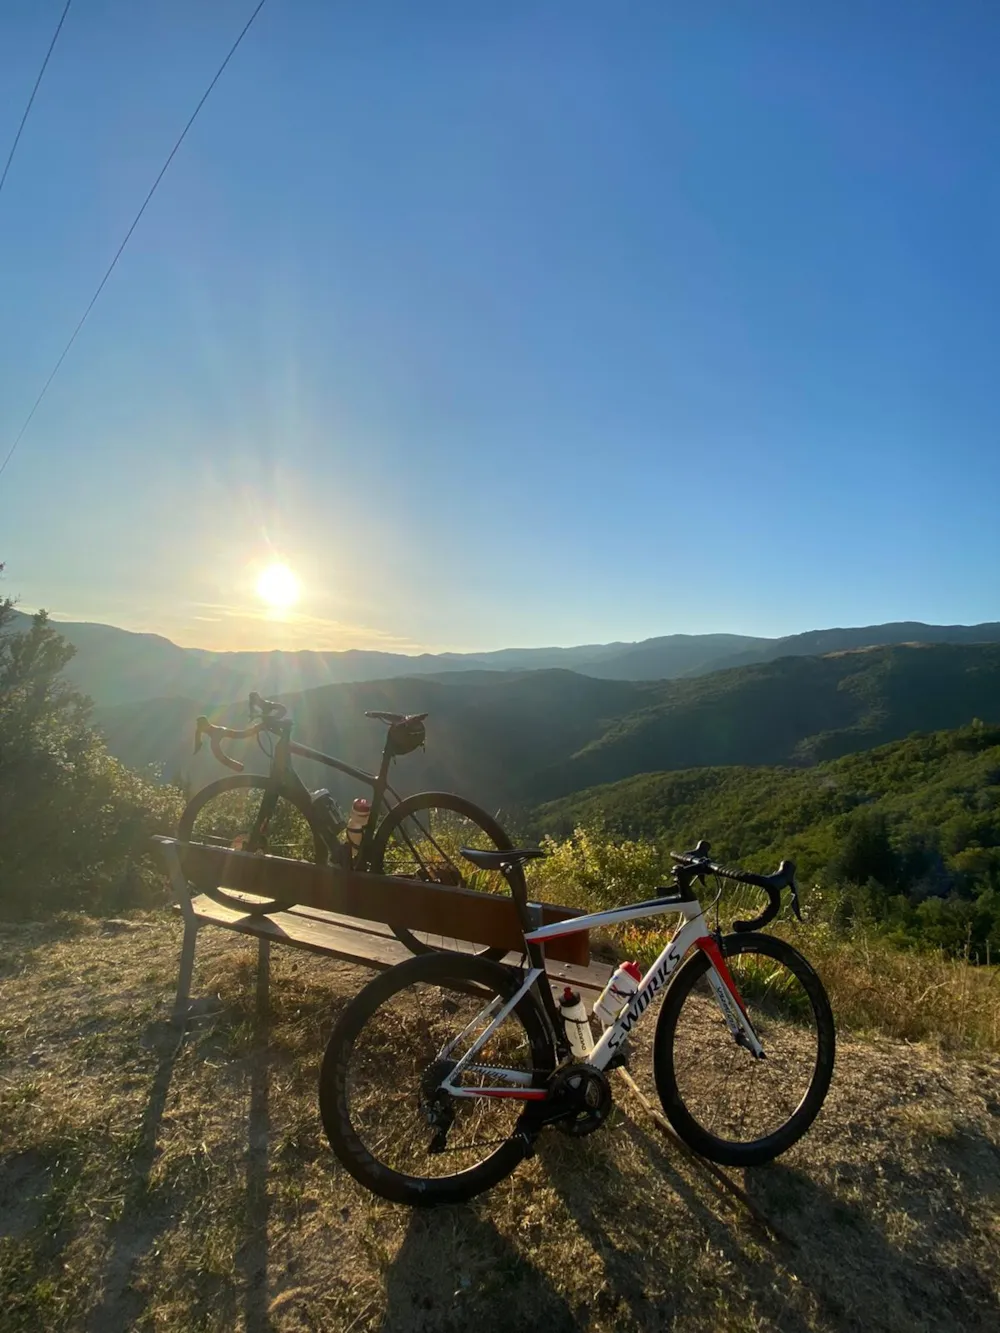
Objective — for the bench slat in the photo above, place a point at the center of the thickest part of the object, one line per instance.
(354, 945)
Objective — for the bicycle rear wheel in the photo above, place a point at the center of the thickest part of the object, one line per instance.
(379, 1091)
(724, 1103)
(232, 813)
(420, 839)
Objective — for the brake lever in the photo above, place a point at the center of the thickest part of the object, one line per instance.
(199, 727)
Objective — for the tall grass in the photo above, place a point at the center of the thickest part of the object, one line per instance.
(875, 988)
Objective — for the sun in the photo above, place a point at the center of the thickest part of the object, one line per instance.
(278, 586)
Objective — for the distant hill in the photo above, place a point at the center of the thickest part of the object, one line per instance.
(797, 710)
(116, 666)
(818, 641)
(517, 739)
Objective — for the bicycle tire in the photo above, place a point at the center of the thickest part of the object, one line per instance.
(186, 832)
(778, 1021)
(337, 1082)
(437, 800)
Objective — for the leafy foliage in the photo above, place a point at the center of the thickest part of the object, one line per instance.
(905, 837)
(75, 820)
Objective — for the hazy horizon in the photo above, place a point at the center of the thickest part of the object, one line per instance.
(282, 627)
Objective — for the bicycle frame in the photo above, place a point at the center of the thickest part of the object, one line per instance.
(282, 777)
(692, 933)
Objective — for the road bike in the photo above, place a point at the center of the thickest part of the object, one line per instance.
(276, 815)
(441, 1073)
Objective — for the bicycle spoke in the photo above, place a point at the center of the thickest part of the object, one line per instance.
(394, 1091)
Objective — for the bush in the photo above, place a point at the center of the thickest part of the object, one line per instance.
(76, 822)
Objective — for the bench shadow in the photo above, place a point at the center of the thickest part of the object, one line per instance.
(137, 1227)
(454, 1270)
(136, 1230)
(253, 1255)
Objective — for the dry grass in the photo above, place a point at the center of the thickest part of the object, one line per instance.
(150, 1184)
(915, 996)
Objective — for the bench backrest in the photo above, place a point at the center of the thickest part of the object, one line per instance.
(482, 918)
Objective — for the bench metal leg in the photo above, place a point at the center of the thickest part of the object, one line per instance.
(263, 977)
(183, 1001)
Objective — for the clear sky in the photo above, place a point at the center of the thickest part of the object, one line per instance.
(505, 323)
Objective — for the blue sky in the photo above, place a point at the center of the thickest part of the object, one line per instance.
(502, 324)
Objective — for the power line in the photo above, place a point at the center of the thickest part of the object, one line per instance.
(128, 234)
(27, 109)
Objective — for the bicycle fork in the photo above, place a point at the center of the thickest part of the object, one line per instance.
(729, 1000)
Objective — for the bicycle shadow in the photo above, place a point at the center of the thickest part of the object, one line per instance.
(837, 1268)
(855, 1274)
(455, 1270)
(627, 1229)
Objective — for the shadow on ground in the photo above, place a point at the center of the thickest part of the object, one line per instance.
(454, 1270)
(837, 1269)
(137, 1226)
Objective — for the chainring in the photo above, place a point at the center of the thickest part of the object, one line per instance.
(579, 1100)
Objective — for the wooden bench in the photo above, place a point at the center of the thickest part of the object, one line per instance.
(351, 937)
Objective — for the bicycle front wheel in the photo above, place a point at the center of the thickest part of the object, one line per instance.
(385, 1114)
(421, 839)
(724, 1102)
(238, 812)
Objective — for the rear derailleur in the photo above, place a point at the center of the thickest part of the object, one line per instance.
(437, 1105)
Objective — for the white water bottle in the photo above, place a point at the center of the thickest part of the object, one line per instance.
(361, 809)
(617, 993)
(574, 1016)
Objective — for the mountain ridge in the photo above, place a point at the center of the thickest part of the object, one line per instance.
(116, 666)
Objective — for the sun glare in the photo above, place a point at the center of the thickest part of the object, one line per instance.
(278, 586)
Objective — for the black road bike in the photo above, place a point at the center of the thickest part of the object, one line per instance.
(417, 837)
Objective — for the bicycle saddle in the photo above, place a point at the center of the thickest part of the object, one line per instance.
(393, 718)
(496, 860)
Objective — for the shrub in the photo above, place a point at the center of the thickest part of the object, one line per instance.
(75, 821)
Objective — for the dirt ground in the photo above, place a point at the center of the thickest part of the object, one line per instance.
(148, 1182)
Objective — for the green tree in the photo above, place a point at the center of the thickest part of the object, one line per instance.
(75, 821)
(865, 852)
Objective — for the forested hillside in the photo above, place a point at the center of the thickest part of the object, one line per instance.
(517, 739)
(906, 835)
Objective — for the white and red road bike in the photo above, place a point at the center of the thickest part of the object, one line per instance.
(441, 1073)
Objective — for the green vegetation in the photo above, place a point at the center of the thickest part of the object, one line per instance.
(75, 820)
(904, 838)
